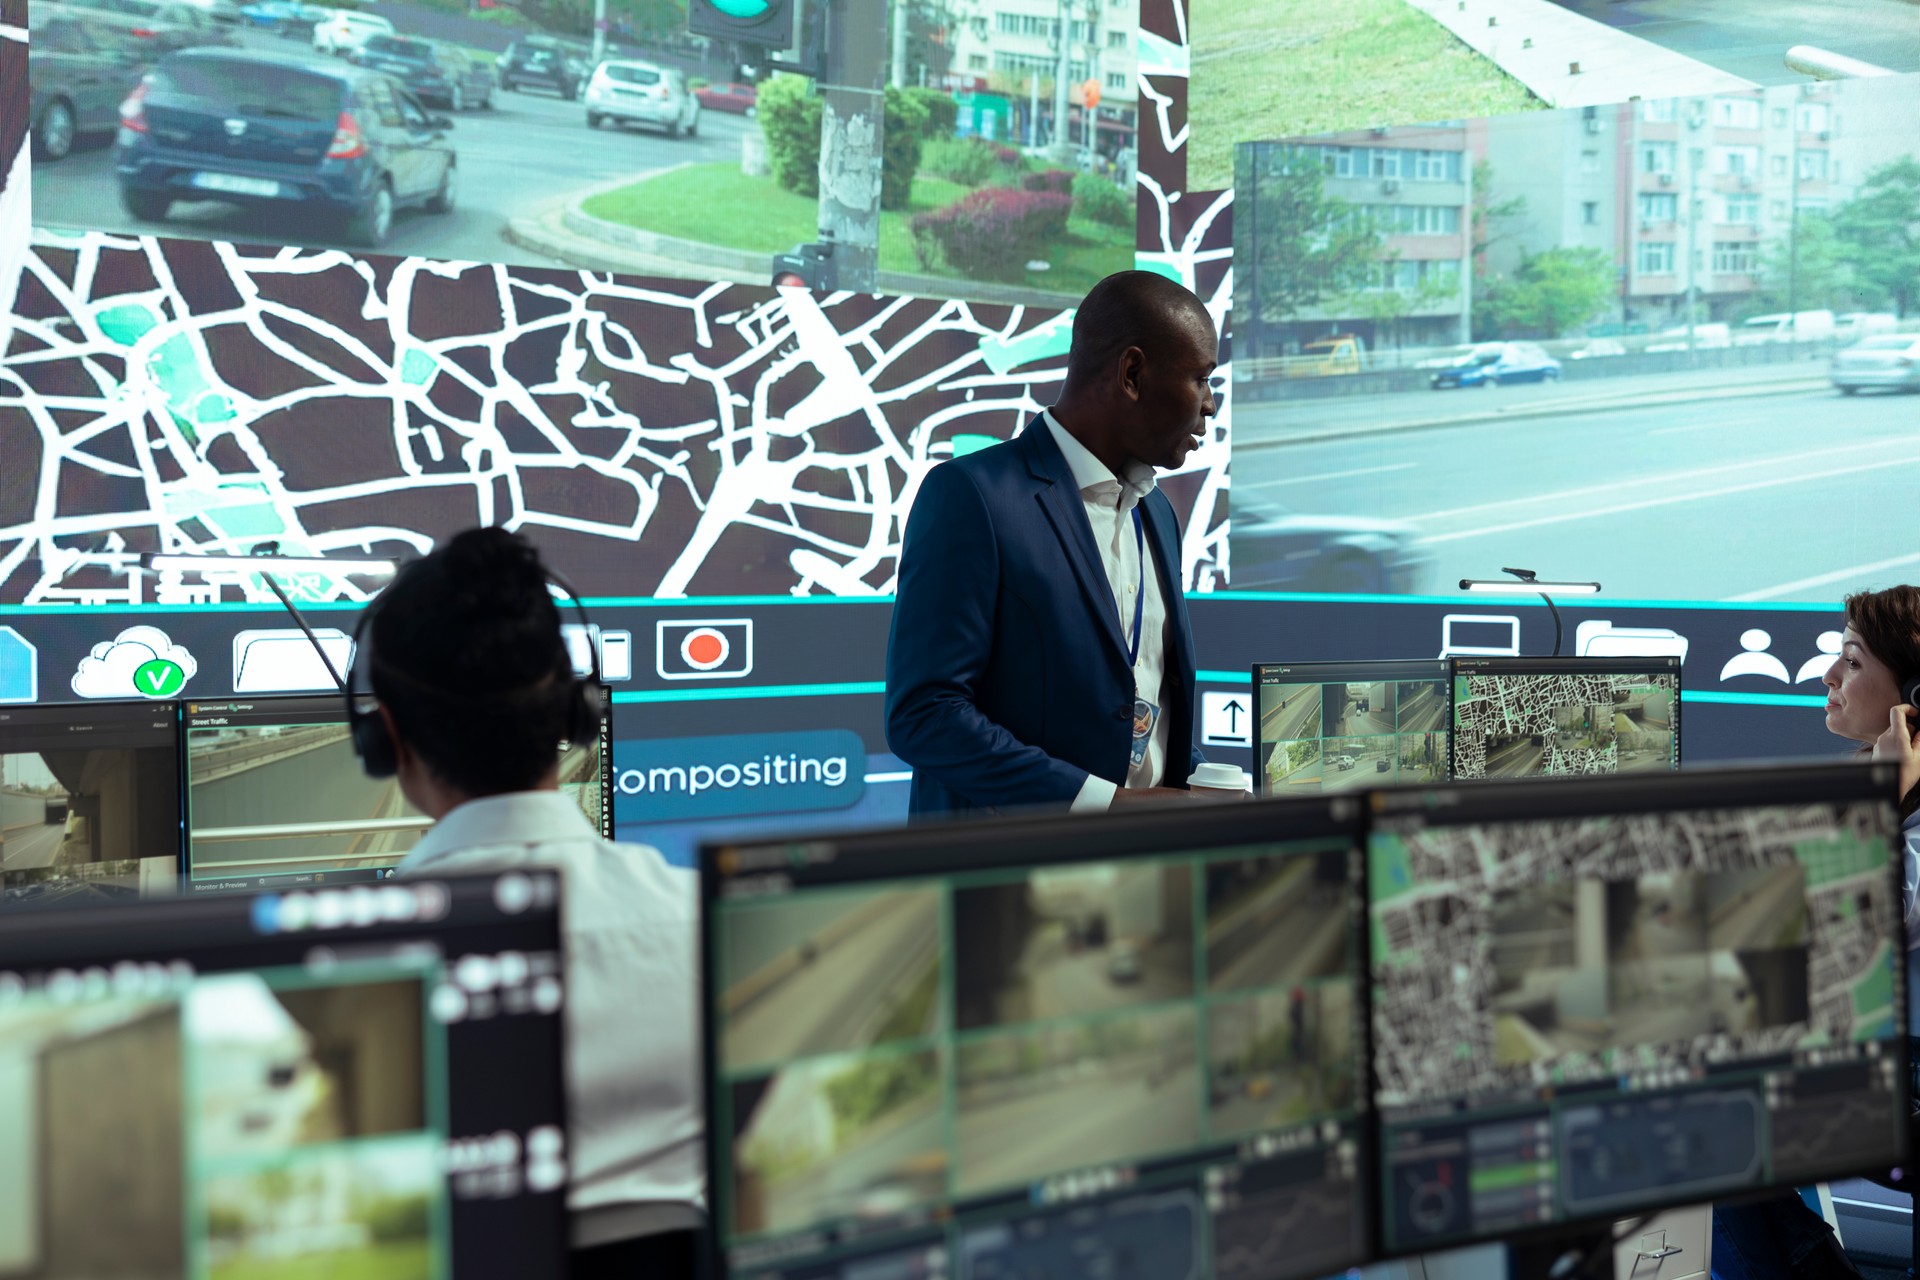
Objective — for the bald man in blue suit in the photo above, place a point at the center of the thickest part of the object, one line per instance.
(1041, 652)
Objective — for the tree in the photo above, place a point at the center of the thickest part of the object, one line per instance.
(1387, 306)
(1806, 270)
(1551, 292)
(1305, 246)
(1879, 231)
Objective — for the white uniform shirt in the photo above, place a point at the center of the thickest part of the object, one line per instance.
(631, 931)
(1109, 505)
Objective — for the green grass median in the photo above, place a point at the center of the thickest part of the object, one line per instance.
(718, 204)
(1265, 69)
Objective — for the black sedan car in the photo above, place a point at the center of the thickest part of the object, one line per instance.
(79, 68)
(541, 62)
(282, 132)
(432, 72)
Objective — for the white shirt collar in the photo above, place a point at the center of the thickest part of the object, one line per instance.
(1089, 472)
(516, 818)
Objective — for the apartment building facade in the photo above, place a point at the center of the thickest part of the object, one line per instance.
(1010, 48)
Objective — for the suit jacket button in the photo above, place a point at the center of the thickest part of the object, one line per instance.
(1122, 713)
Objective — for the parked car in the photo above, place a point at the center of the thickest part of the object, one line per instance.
(1890, 360)
(1511, 362)
(344, 30)
(225, 12)
(1708, 336)
(1123, 962)
(1276, 550)
(432, 72)
(1325, 357)
(282, 132)
(541, 62)
(284, 17)
(160, 27)
(1457, 357)
(79, 68)
(641, 93)
(1599, 348)
(740, 99)
(1786, 326)
(1851, 326)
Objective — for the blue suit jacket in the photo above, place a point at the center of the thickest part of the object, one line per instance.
(1007, 674)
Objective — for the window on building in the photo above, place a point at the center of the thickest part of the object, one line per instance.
(976, 62)
(1433, 166)
(1116, 39)
(1740, 210)
(1342, 162)
(1654, 258)
(1082, 31)
(1813, 117)
(1779, 117)
(1118, 80)
(1736, 160)
(1736, 113)
(1384, 162)
(1779, 166)
(1589, 162)
(1656, 157)
(1657, 110)
(1659, 206)
(1589, 213)
(1734, 257)
(1813, 166)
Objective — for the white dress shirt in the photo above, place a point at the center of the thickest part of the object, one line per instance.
(631, 931)
(1129, 564)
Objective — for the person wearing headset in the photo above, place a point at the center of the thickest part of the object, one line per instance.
(1872, 689)
(462, 690)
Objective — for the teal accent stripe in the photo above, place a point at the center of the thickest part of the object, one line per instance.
(752, 691)
(1225, 677)
(1755, 699)
(1464, 600)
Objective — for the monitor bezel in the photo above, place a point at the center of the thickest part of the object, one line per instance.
(1598, 795)
(962, 845)
(1650, 664)
(1328, 672)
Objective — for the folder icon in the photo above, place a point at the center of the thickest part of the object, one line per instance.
(283, 660)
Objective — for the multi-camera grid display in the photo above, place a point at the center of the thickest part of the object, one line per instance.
(1348, 726)
(1031, 1052)
(1604, 995)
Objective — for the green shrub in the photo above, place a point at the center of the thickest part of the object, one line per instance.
(789, 113)
(1058, 181)
(943, 113)
(906, 125)
(993, 232)
(1097, 200)
(967, 161)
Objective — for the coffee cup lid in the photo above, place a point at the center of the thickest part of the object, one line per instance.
(1224, 777)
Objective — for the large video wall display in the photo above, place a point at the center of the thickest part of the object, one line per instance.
(1596, 342)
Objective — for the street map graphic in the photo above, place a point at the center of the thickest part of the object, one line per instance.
(1553, 725)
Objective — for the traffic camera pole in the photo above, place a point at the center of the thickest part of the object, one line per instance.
(852, 124)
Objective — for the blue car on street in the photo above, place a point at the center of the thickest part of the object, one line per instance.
(1494, 366)
(282, 132)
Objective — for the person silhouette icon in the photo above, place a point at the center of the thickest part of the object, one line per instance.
(1754, 660)
(1816, 666)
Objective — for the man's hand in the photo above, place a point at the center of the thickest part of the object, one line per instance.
(1897, 745)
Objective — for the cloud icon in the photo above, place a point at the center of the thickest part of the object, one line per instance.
(140, 662)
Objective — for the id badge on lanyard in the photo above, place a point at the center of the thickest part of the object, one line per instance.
(1145, 713)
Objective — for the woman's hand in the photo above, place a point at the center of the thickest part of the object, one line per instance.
(1898, 745)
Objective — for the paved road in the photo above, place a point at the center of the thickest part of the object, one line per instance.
(1515, 760)
(1366, 771)
(1307, 941)
(1299, 718)
(1750, 37)
(322, 785)
(1759, 918)
(837, 1001)
(1643, 500)
(530, 150)
(1424, 710)
(33, 846)
(1077, 1123)
(1061, 983)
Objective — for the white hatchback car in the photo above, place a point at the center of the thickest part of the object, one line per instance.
(639, 92)
(343, 31)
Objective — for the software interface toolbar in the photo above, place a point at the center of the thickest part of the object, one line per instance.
(356, 1080)
(89, 802)
(275, 796)
(1032, 1057)
(1548, 717)
(1347, 726)
(1586, 1005)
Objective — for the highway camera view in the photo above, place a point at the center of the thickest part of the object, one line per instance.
(1521, 726)
(1351, 735)
(87, 824)
(1132, 1013)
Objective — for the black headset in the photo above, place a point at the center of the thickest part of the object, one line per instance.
(586, 696)
(1910, 692)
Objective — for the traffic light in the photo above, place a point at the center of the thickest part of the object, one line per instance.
(767, 23)
(808, 266)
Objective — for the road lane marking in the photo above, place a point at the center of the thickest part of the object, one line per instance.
(1822, 579)
(1330, 475)
(1692, 496)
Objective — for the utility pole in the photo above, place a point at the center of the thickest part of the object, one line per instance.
(599, 31)
(852, 120)
(902, 15)
(1062, 71)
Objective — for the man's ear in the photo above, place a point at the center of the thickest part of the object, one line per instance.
(1133, 368)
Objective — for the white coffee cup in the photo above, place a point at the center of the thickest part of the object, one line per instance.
(1214, 776)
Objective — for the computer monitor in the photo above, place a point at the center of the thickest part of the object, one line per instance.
(1348, 726)
(1595, 998)
(357, 1080)
(89, 802)
(1071, 1047)
(1550, 717)
(275, 795)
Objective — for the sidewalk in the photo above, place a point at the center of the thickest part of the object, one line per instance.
(1571, 61)
(1266, 425)
(564, 230)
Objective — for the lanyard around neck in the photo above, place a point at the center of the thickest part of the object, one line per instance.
(1140, 594)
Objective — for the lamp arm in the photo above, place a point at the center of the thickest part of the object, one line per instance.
(1556, 622)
